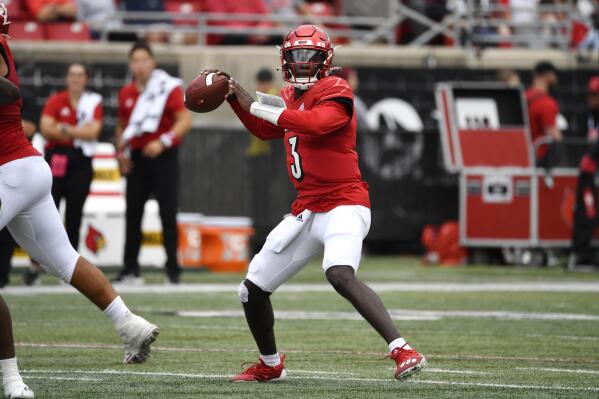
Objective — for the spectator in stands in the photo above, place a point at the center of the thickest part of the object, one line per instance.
(53, 10)
(543, 110)
(591, 41)
(524, 14)
(239, 30)
(509, 77)
(97, 14)
(586, 211)
(71, 123)
(148, 154)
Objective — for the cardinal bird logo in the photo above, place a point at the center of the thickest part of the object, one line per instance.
(94, 240)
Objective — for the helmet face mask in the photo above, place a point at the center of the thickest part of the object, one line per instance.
(306, 56)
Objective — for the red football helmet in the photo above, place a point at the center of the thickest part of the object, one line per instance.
(4, 21)
(306, 56)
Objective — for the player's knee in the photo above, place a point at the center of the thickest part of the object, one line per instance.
(340, 276)
(248, 290)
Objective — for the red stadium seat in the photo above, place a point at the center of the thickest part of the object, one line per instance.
(20, 30)
(17, 10)
(184, 7)
(67, 31)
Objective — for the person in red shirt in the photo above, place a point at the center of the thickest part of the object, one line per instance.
(52, 10)
(27, 209)
(152, 121)
(543, 110)
(71, 123)
(315, 118)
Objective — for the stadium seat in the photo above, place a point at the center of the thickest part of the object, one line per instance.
(184, 7)
(17, 10)
(67, 31)
(31, 30)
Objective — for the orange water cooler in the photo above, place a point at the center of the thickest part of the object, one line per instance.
(220, 244)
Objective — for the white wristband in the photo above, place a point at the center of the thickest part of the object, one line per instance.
(168, 139)
(267, 112)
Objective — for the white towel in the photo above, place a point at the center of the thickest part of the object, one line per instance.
(149, 108)
(86, 108)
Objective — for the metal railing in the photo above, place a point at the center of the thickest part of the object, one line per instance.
(474, 26)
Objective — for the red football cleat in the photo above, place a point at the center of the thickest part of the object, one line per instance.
(260, 372)
(408, 362)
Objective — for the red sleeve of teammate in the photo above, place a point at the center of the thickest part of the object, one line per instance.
(258, 127)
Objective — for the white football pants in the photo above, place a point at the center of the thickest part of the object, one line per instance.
(29, 212)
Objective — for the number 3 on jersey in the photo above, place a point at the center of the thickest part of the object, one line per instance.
(296, 166)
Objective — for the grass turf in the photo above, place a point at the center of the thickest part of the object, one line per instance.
(69, 350)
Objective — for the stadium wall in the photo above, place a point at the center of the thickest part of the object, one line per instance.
(400, 157)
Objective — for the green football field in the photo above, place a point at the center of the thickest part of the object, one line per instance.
(488, 332)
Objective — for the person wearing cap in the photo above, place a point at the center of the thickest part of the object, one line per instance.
(586, 211)
(543, 109)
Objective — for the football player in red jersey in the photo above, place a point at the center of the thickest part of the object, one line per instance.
(317, 122)
(28, 210)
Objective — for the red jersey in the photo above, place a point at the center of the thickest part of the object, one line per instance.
(13, 142)
(320, 139)
(542, 114)
(60, 108)
(174, 104)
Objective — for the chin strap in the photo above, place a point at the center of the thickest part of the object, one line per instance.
(267, 112)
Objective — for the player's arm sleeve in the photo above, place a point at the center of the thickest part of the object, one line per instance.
(258, 127)
(325, 118)
(50, 108)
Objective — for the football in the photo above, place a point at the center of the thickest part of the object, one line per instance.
(206, 92)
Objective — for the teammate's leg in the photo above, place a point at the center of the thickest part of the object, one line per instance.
(14, 387)
(40, 232)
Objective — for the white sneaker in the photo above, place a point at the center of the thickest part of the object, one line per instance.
(137, 334)
(18, 390)
(130, 279)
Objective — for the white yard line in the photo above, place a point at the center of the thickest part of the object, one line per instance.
(76, 346)
(572, 337)
(315, 372)
(554, 370)
(531, 286)
(446, 371)
(508, 386)
(323, 378)
(29, 377)
(400, 314)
